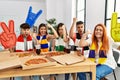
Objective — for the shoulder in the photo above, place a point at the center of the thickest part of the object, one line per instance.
(29, 38)
(20, 38)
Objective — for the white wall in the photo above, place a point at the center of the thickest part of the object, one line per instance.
(18, 10)
(64, 11)
(61, 10)
(95, 11)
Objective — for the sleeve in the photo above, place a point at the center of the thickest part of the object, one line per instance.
(115, 45)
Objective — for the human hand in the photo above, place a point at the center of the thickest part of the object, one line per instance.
(49, 26)
(115, 28)
(74, 20)
(8, 36)
(32, 17)
(89, 33)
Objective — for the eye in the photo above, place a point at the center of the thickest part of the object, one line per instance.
(99, 30)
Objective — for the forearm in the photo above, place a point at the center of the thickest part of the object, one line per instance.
(65, 35)
(55, 33)
(53, 45)
(83, 42)
(72, 30)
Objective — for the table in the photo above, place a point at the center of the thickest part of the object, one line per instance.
(86, 66)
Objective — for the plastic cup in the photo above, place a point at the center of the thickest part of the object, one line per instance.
(37, 49)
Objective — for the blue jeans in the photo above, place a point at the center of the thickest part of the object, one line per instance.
(81, 76)
(33, 77)
(67, 76)
(101, 71)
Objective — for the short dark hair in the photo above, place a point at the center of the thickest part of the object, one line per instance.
(79, 22)
(25, 26)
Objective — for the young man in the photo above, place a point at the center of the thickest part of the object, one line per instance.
(24, 43)
(76, 36)
(76, 31)
(24, 40)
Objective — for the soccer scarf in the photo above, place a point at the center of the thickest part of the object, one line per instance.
(43, 43)
(102, 56)
(20, 44)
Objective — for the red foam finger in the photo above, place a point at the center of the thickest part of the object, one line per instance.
(14, 39)
(2, 38)
(11, 26)
(4, 27)
(5, 36)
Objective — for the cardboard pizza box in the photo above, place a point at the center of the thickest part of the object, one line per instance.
(5, 55)
(4, 51)
(31, 66)
(53, 53)
(22, 54)
(68, 59)
(12, 62)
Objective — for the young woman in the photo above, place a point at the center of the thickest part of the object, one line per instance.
(100, 51)
(62, 41)
(43, 37)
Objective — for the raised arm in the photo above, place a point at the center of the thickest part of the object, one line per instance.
(54, 31)
(73, 29)
(65, 38)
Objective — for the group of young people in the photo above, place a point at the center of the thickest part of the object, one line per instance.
(99, 45)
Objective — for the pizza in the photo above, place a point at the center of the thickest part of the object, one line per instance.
(50, 54)
(23, 54)
(35, 61)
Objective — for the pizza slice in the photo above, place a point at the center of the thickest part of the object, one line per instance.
(50, 54)
(35, 61)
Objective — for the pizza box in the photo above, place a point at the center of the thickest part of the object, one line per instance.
(68, 59)
(53, 53)
(26, 65)
(5, 55)
(12, 62)
(4, 51)
(22, 54)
